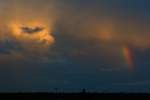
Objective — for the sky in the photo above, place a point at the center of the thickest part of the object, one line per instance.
(99, 45)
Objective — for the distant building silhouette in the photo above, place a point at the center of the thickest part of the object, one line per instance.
(83, 90)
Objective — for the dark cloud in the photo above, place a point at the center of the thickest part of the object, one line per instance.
(31, 30)
(73, 42)
(84, 28)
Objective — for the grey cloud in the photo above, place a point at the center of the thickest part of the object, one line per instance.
(83, 28)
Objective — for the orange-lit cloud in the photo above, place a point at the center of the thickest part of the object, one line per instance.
(78, 27)
(27, 14)
(44, 36)
(110, 30)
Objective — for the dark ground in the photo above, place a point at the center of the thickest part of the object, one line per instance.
(70, 96)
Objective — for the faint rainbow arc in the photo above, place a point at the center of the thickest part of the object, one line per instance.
(128, 57)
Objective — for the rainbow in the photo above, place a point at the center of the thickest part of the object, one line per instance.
(128, 57)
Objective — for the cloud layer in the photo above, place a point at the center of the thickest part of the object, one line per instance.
(73, 27)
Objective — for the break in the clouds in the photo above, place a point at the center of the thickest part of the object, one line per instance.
(85, 35)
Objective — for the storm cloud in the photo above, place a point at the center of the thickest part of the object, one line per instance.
(87, 36)
(74, 25)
